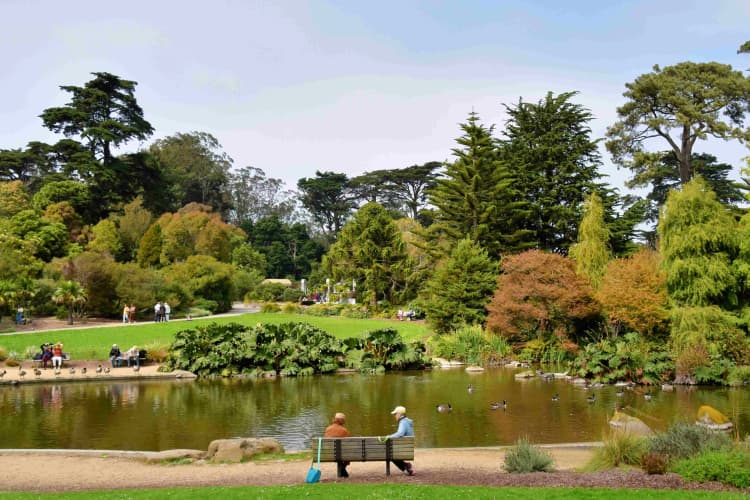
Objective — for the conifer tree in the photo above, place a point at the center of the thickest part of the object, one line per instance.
(459, 290)
(465, 196)
(592, 253)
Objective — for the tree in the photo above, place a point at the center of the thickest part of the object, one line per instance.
(287, 249)
(663, 176)
(370, 251)
(633, 294)
(679, 104)
(104, 113)
(539, 295)
(465, 197)
(70, 294)
(255, 196)
(460, 289)
(325, 197)
(550, 161)
(132, 225)
(150, 246)
(591, 253)
(698, 243)
(195, 168)
(13, 198)
(106, 238)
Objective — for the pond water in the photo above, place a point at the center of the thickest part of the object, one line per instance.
(159, 415)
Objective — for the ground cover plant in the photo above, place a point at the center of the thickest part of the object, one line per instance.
(729, 467)
(94, 343)
(619, 448)
(526, 457)
(378, 491)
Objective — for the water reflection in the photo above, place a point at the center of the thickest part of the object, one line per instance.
(152, 415)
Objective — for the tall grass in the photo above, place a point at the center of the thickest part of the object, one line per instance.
(472, 345)
(620, 448)
(683, 440)
(525, 457)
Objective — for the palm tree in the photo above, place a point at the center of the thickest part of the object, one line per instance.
(70, 294)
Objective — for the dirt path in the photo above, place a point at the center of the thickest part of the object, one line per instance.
(67, 471)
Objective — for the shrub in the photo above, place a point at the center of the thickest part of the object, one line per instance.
(3, 353)
(620, 448)
(470, 344)
(728, 467)
(270, 307)
(292, 295)
(654, 463)
(683, 440)
(208, 305)
(525, 457)
(197, 312)
(290, 308)
(30, 351)
(12, 359)
(739, 375)
(156, 352)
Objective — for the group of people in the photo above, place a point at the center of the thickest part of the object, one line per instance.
(51, 352)
(161, 312)
(128, 313)
(405, 429)
(116, 357)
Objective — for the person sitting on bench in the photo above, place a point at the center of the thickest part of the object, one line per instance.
(133, 354)
(115, 356)
(337, 430)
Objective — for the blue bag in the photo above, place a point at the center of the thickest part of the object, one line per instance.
(313, 475)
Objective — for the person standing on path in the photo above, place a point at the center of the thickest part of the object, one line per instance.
(157, 312)
(405, 429)
(167, 310)
(337, 430)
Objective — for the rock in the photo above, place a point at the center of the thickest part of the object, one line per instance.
(161, 456)
(235, 450)
(447, 363)
(526, 374)
(632, 425)
(712, 418)
(474, 369)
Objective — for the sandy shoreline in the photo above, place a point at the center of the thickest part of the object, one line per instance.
(79, 470)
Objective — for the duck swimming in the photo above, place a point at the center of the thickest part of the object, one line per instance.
(647, 396)
(470, 388)
(444, 408)
(591, 398)
(556, 397)
(497, 406)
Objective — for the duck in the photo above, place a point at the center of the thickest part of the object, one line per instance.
(497, 406)
(591, 399)
(99, 370)
(21, 372)
(470, 388)
(57, 372)
(647, 396)
(72, 371)
(83, 371)
(556, 397)
(667, 387)
(106, 371)
(2, 373)
(619, 393)
(37, 373)
(442, 408)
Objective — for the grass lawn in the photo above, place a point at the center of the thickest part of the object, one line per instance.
(94, 343)
(384, 491)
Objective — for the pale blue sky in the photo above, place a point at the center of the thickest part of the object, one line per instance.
(292, 87)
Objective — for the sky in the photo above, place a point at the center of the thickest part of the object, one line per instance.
(295, 87)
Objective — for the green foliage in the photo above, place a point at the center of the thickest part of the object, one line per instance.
(683, 440)
(591, 253)
(384, 349)
(465, 195)
(3, 353)
(470, 344)
(270, 307)
(149, 248)
(325, 197)
(370, 250)
(71, 295)
(738, 375)
(105, 238)
(204, 277)
(268, 292)
(624, 358)
(525, 457)
(727, 467)
(681, 104)
(549, 351)
(618, 448)
(72, 192)
(459, 290)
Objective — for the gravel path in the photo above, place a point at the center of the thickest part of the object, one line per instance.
(47, 472)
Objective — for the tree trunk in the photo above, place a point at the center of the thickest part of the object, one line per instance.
(70, 315)
(683, 156)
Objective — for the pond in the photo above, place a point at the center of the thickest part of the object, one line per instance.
(159, 415)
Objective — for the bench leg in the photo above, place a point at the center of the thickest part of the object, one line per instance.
(387, 467)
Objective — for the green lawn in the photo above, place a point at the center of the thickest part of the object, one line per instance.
(94, 343)
(384, 491)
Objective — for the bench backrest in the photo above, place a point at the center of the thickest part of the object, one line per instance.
(363, 449)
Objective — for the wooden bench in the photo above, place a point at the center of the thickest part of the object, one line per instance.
(37, 360)
(364, 449)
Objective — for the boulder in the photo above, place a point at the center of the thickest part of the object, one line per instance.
(474, 368)
(631, 425)
(235, 450)
(526, 374)
(712, 418)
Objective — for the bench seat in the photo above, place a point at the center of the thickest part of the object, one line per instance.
(364, 449)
